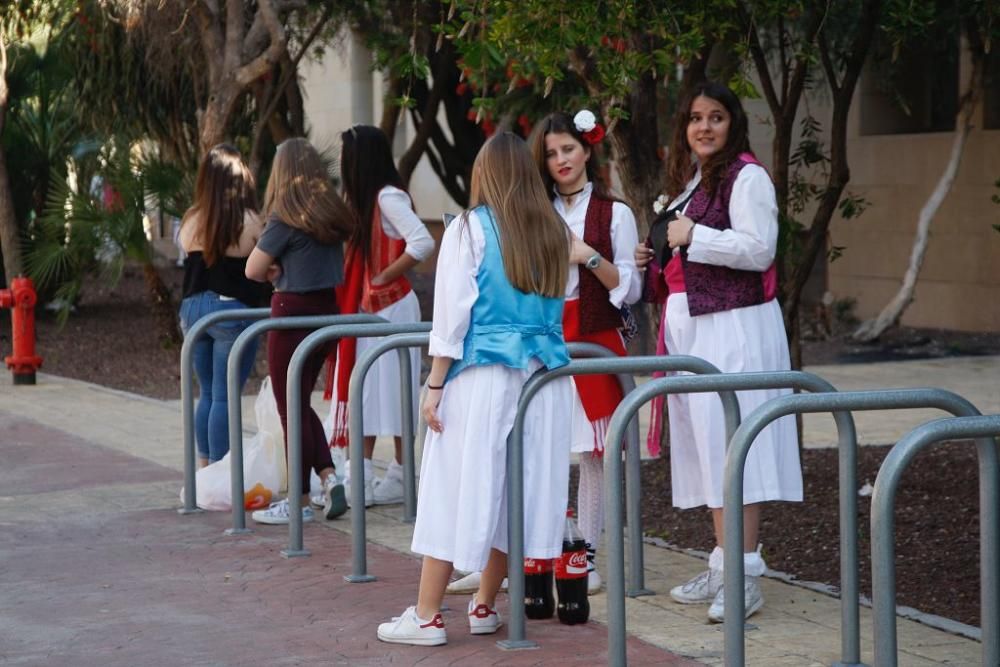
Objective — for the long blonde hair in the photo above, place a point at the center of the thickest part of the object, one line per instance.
(533, 238)
(301, 194)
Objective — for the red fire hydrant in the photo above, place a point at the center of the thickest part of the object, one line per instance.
(21, 299)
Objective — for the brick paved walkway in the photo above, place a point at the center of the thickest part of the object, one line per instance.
(97, 568)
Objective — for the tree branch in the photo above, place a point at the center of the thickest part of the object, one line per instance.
(207, 18)
(232, 58)
(760, 61)
(262, 63)
(428, 119)
(828, 68)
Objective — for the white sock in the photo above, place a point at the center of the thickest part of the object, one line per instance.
(715, 559)
(369, 471)
(394, 470)
(753, 563)
(590, 499)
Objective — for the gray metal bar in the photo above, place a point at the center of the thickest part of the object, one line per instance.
(736, 455)
(515, 465)
(233, 390)
(401, 343)
(295, 365)
(407, 437)
(883, 529)
(612, 503)
(196, 331)
(633, 474)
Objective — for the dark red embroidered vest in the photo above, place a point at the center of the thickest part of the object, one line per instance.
(712, 288)
(596, 312)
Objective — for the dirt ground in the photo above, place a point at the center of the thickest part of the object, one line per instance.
(111, 339)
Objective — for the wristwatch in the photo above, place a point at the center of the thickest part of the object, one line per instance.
(593, 262)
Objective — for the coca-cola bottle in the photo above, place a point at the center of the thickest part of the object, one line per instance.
(571, 576)
(539, 601)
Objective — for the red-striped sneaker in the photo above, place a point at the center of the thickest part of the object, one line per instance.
(409, 629)
(482, 619)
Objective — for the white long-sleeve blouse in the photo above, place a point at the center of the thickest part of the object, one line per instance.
(400, 222)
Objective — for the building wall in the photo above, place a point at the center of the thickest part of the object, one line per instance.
(340, 90)
(959, 284)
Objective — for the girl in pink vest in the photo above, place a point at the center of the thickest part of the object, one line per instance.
(388, 241)
(715, 269)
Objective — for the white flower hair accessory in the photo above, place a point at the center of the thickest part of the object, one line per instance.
(584, 121)
(660, 203)
(586, 124)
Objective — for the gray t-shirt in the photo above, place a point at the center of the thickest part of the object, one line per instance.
(306, 264)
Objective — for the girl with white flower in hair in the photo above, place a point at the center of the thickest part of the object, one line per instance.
(602, 280)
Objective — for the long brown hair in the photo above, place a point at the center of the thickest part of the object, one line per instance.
(301, 194)
(533, 238)
(223, 193)
(366, 167)
(680, 167)
(560, 123)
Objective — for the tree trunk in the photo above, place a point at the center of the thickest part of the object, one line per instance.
(10, 235)
(164, 309)
(840, 173)
(893, 311)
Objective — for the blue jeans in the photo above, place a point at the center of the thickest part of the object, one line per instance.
(210, 356)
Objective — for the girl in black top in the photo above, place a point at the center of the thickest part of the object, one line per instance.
(217, 233)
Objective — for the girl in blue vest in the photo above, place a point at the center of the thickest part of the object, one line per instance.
(602, 278)
(498, 304)
(716, 271)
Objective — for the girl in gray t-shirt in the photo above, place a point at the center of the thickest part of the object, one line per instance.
(301, 253)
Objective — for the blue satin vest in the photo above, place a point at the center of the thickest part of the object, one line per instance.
(508, 326)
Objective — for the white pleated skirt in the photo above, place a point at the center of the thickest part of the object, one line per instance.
(381, 397)
(462, 506)
(743, 339)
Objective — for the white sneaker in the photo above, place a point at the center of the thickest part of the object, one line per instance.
(483, 620)
(316, 500)
(594, 582)
(469, 584)
(593, 578)
(277, 514)
(408, 629)
(701, 589)
(389, 489)
(334, 497)
(753, 601)
(369, 492)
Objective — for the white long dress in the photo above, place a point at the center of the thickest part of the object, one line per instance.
(381, 396)
(624, 239)
(461, 508)
(742, 339)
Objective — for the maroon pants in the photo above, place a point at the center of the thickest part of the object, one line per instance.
(281, 344)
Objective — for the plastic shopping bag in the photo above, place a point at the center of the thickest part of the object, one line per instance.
(263, 464)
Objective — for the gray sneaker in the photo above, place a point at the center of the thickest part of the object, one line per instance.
(699, 590)
(753, 599)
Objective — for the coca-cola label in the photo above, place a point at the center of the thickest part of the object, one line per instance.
(572, 565)
(537, 565)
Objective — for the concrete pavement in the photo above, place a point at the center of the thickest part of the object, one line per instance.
(99, 569)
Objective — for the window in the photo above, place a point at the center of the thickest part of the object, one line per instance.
(917, 91)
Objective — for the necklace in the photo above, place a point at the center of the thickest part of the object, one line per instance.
(571, 194)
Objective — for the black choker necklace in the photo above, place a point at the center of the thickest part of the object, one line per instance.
(572, 194)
